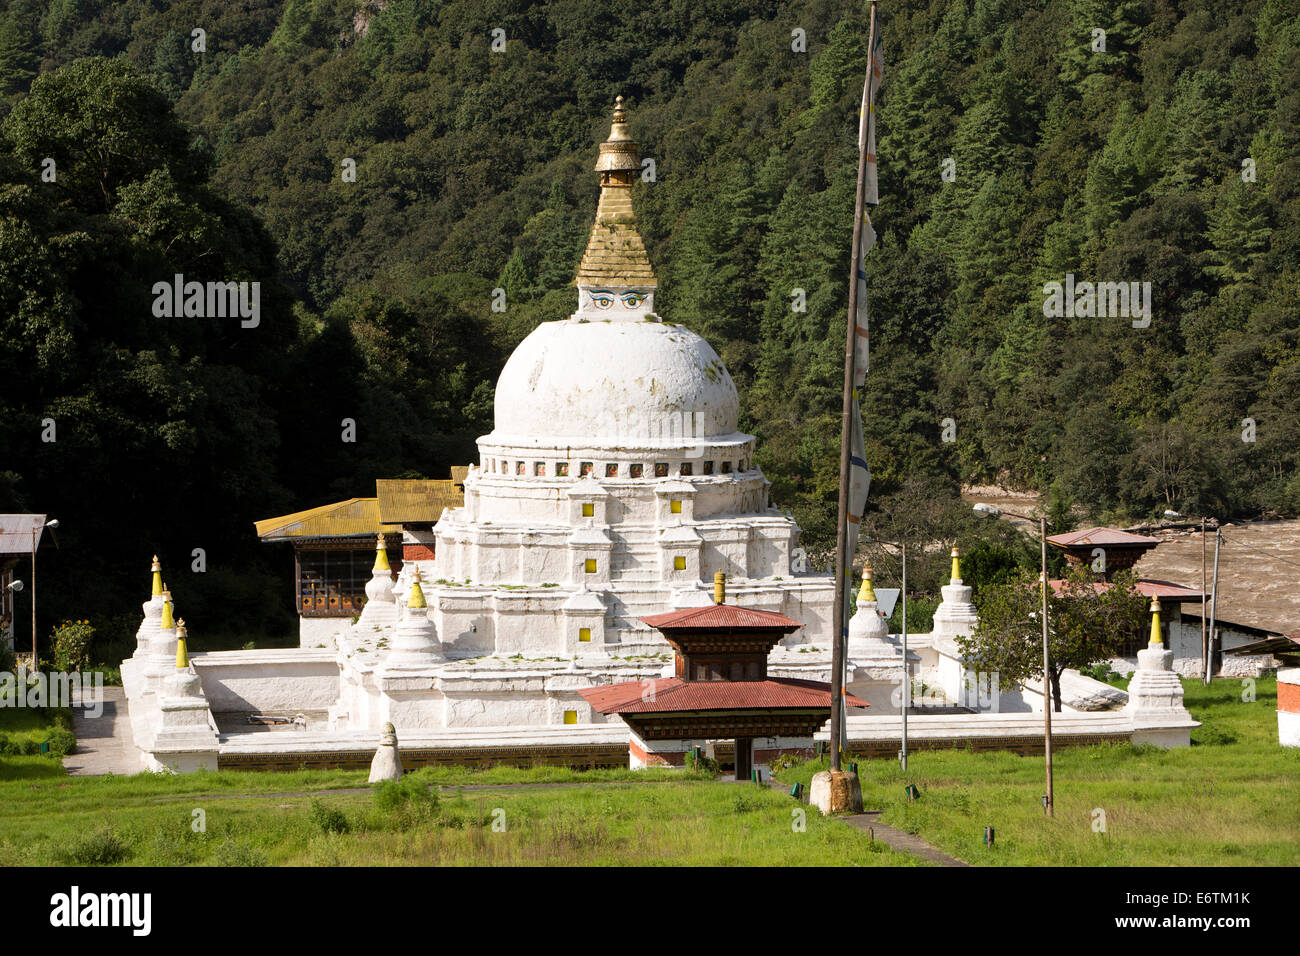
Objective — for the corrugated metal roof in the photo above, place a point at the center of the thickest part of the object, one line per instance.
(416, 500)
(1165, 590)
(355, 517)
(674, 695)
(729, 616)
(1100, 536)
(16, 533)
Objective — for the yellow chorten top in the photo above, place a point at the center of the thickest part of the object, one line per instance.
(416, 597)
(615, 255)
(1155, 622)
(381, 556)
(867, 593)
(182, 655)
(956, 564)
(167, 621)
(157, 577)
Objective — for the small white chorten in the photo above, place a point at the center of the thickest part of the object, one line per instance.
(381, 605)
(1155, 694)
(186, 739)
(868, 629)
(955, 616)
(415, 640)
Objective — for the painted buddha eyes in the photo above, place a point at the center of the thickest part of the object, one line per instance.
(604, 299)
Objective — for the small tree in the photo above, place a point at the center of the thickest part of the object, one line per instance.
(71, 642)
(1087, 624)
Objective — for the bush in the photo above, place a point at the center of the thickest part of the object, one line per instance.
(8, 662)
(101, 848)
(233, 853)
(7, 747)
(62, 742)
(71, 643)
(408, 802)
(328, 819)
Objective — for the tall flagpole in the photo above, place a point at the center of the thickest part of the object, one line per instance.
(842, 570)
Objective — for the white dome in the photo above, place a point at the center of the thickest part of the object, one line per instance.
(572, 382)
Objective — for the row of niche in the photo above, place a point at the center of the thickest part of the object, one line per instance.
(660, 469)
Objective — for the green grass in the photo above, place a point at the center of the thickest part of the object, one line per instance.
(612, 818)
(1228, 800)
(28, 727)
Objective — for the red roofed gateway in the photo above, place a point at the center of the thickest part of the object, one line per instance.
(721, 689)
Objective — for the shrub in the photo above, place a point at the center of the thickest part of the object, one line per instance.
(71, 642)
(7, 747)
(407, 802)
(233, 853)
(8, 662)
(62, 742)
(328, 819)
(101, 848)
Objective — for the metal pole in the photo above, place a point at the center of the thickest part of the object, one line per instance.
(907, 674)
(839, 622)
(1214, 606)
(1205, 641)
(35, 666)
(1047, 670)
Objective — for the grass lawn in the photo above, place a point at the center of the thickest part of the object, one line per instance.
(622, 818)
(1228, 800)
(22, 731)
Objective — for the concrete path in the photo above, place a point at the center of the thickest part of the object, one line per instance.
(899, 840)
(104, 743)
(892, 837)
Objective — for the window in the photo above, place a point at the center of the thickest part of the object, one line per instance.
(679, 563)
(332, 582)
(590, 565)
(519, 468)
(539, 468)
(584, 469)
(708, 467)
(637, 470)
(611, 471)
(584, 634)
(562, 469)
(675, 507)
(687, 469)
(570, 716)
(726, 467)
(588, 510)
(661, 469)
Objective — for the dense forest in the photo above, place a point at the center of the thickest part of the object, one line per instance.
(1134, 141)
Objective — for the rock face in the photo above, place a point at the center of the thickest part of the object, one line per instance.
(387, 764)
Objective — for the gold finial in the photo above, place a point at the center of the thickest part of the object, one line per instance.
(182, 655)
(866, 592)
(719, 588)
(956, 564)
(381, 556)
(157, 577)
(1156, 637)
(167, 621)
(416, 597)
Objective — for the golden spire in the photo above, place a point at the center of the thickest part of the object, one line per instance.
(867, 593)
(167, 622)
(157, 577)
(381, 556)
(416, 597)
(956, 564)
(719, 587)
(615, 255)
(1155, 621)
(182, 655)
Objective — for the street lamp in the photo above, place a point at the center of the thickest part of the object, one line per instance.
(51, 524)
(990, 511)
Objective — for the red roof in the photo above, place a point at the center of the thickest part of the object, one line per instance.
(672, 694)
(721, 616)
(1165, 590)
(1111, 536)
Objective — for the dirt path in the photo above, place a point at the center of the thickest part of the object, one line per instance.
(104, 743)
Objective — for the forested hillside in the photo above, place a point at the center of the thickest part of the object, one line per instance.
(1011, 154)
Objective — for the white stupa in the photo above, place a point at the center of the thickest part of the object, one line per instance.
(614, 484)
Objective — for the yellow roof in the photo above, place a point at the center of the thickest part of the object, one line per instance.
(416, 500)
(354, 517)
